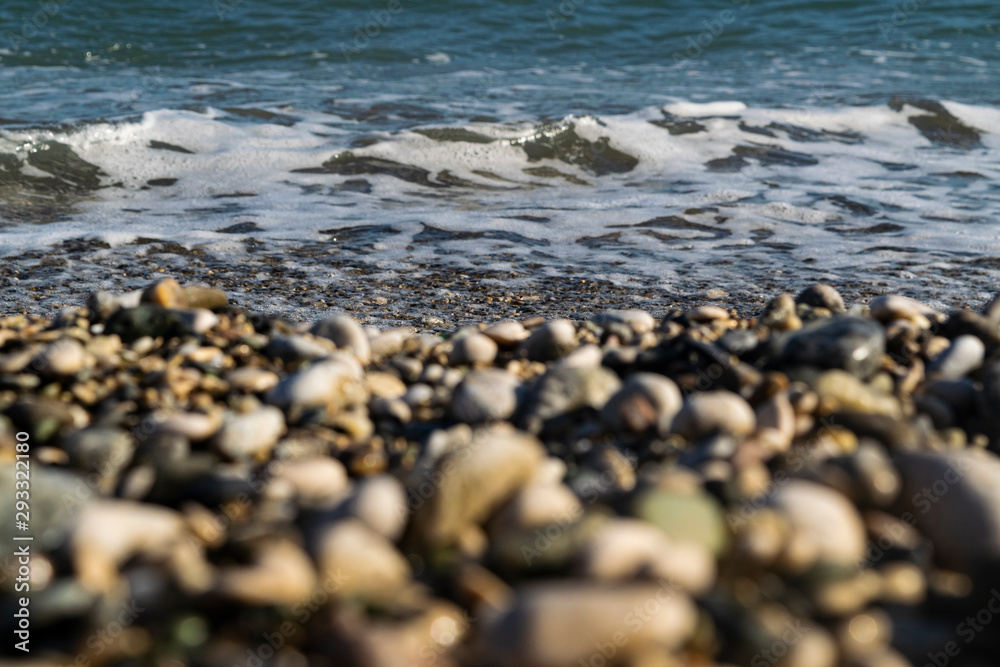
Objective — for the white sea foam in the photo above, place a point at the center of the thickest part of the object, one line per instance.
(857, 193)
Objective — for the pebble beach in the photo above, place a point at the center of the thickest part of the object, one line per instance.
(804, 482)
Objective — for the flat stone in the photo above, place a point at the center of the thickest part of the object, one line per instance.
(507, 334)
(638, 320)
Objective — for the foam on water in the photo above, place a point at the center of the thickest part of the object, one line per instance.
(678, 197)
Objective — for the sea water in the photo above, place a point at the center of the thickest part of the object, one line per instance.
(741, 145)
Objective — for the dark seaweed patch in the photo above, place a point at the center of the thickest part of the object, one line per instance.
(679, 127)
(240, 228)
(881, 228)
(775, 155)
(726, 165)
(565, 145)
(431, 234)
(349, 164)
(678, 223)
(459, 134)
(804, 134)
(164, 146)
(940, 127)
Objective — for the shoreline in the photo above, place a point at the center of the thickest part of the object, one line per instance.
(687, 486)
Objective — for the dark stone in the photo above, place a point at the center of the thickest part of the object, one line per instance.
(822, 296)
(853, 344)
(145, 320)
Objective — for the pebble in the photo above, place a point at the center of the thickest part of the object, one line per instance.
(895, 307)
(347, 334)
(385, 385)
(850, 343)
(842, 391)
(381, 503)
(62, 358)
(964, 355)
(710, 411)
(326, 381)
(779, 314)
(625, 549)
(362, 564)
(692, 517)
(293, 348)
(559, 623)
(550, 341)
(707, 315)
(110, 532)
(638, 320)
(281, 574)
(484, 396)
(537, 506)
(317, 482)
(954, 498)
(252, 380)
(565, 389)
(389, 342)
(824, 523)
(100, 449)
(822, 296)
(166, 292)
(250, 436)
(777, 416)
(506, 334)
(646, 401)
(205, 297)
(480, 478)
(473, 350)
(194, 426)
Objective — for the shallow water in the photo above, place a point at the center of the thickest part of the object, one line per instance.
(747, 146)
